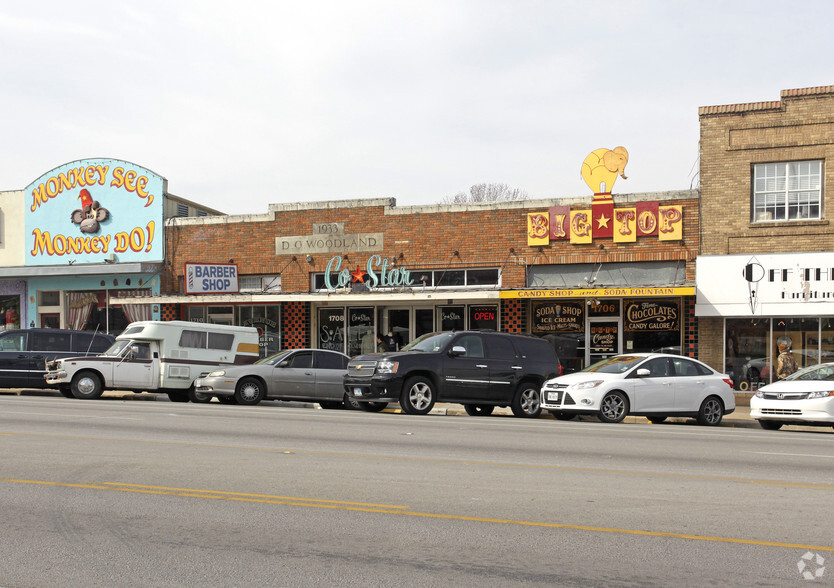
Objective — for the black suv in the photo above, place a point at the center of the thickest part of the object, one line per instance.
(480, 370)
(24, 352)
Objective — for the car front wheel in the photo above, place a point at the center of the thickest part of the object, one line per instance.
(418, 396)
(527, 401)
(614, 407)
(478, 409)
(249, 392)
(86, 386)
(198, 397)
(711, 412)
(373, 406)
(770, 425)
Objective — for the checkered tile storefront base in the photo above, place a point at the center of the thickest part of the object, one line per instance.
(513, 317)
(169, 312)
(295, 325)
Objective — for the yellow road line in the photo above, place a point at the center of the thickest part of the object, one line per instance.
(369, 508)
(221, 493)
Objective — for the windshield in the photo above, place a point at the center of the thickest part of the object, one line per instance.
(430, 342)
(615, 365)
(273, 359)
(117, 348)
(823, 371)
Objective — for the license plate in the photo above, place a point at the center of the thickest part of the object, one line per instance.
(553, 397)
(357, 391)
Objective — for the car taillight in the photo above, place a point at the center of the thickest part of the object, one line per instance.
(729, 383)
(559, 372)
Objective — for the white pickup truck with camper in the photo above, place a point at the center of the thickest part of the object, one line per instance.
(156, 356)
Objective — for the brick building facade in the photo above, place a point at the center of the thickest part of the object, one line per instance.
(445, 266)
(765, 270)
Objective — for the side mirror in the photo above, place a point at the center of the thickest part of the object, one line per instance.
(284, 363)
(457, 351)
(642, 372)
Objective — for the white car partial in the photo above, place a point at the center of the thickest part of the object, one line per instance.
(803, 398)
(654, 385)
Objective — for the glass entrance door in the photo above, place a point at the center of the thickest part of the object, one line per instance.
(398, 327)
(602, 339)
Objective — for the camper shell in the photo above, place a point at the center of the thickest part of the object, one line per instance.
(156, 356)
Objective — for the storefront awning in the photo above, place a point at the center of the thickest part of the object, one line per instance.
(417, 296)
(645, 292)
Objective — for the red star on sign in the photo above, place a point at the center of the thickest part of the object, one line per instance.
(358, 275)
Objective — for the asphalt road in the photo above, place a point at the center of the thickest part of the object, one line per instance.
(117, 493)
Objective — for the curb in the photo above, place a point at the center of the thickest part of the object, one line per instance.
(443, 410)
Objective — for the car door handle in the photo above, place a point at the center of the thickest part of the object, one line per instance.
(517, 367)
(480, 365)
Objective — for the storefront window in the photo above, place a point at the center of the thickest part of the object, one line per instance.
(267, 320)
(483, 317)
(9, 312)
(451, 318)
(826, 340)
(652, 325)
(800, 337)
(195, 314)
(747, 360)
(562, 324)
(360, 330)
(332, 329)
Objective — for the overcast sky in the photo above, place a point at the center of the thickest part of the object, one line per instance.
(241, 104)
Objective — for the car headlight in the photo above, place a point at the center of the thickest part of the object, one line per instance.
(386, 366)
(759, 394)
(217, 374)
(820, 394)
(586, 385)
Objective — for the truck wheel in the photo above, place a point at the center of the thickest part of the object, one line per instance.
(418, 396)
(478, 409)
(249, 392)
(198, 397)
(86, 386)
(527, 401)
(373, 406)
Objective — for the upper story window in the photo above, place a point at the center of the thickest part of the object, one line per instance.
(787, 191)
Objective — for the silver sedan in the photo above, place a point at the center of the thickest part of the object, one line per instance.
(312, 375)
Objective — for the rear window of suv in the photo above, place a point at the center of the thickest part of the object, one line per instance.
(535, 348)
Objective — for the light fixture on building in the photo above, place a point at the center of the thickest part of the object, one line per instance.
(309, 259)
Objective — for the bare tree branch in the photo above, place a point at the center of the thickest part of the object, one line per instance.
(487, 193)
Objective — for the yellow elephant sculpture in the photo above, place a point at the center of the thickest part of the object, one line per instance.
(601, 168)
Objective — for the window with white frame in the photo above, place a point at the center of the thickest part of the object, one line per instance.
(787, 191)
(259, 283)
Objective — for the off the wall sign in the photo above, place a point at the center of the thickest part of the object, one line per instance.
(602, 220)
(90, 210)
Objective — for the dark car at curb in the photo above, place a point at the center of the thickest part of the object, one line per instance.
(24, 353)
(478, 369)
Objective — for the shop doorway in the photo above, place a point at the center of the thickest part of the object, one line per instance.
(404, 325)
(602, 339)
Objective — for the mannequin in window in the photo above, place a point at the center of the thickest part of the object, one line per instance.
(785, 364)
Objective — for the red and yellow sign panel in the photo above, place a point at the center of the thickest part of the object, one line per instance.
(602, 220)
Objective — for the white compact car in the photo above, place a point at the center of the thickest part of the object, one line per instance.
(654, 385)
(803, 398)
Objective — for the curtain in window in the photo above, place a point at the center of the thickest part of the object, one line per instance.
(80, 305)
(135, 312)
